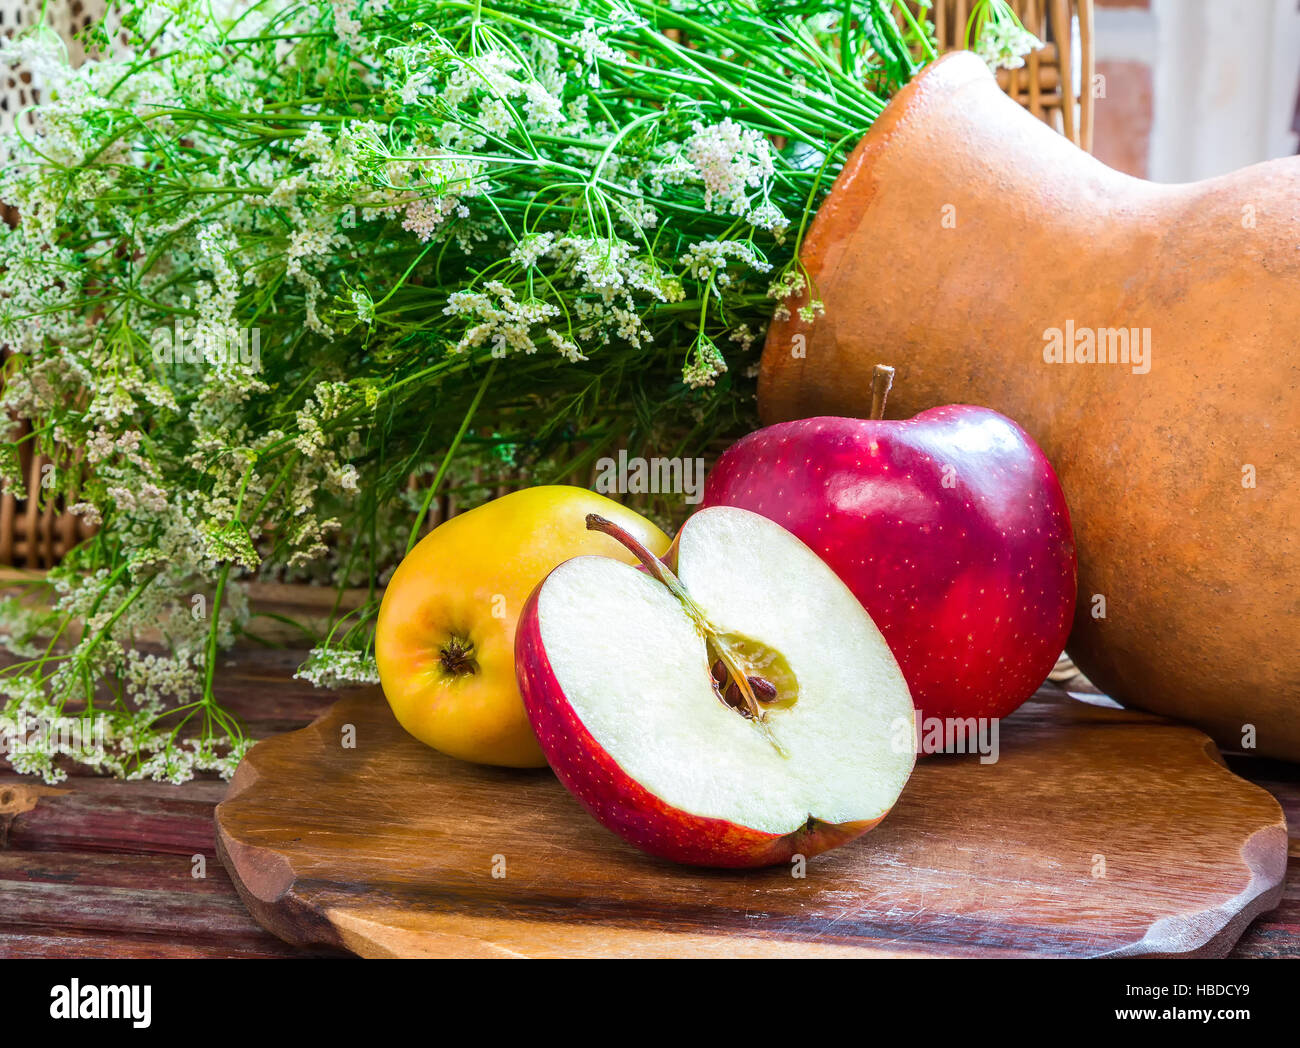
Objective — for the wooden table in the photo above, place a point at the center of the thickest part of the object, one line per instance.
(103, 868)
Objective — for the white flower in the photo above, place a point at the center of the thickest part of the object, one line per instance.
(495, 118)
(338, 668)
(744, 336)
(709, 258)
(531, 248)
(566, 347)
(591, 43)
(364, 305)
(769, 217)
(704, 364)
(505, 322)
(314, 143)
(736, 165)
(542, 107)
(346, 24)
(423, 217)
(87, 512)
(1004, 44)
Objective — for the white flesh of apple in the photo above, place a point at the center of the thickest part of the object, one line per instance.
(634, 668)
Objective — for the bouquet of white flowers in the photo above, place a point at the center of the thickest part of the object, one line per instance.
(269, 268)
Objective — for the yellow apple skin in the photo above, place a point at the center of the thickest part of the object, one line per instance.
(468, 580)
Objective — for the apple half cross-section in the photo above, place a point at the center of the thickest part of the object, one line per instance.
(732, 705)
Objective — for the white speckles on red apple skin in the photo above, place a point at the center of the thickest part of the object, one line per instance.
(973, 585)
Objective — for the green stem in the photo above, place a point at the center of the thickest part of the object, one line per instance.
(418, 523)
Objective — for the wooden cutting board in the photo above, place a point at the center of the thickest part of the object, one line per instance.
(1098, 832)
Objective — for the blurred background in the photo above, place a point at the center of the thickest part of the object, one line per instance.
(1194, 88)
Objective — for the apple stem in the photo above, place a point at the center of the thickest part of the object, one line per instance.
(656, 567)
(652, 564)
(715, 646)
(882, 381)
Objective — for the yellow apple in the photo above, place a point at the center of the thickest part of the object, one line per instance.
(445, 639)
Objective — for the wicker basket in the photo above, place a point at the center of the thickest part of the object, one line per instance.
(37, 536)
(1055, 83)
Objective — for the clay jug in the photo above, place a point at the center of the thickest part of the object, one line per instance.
(980, 253)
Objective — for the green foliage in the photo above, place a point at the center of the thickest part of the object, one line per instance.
(269, 269)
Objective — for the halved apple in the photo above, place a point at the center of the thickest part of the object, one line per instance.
(731, 705)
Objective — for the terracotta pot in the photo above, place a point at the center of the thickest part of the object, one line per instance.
(960, 235)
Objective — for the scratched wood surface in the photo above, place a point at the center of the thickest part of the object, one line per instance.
(94, 867)
(105, 869)
(387, 848)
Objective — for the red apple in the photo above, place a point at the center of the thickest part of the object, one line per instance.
(731, 705)
(951, 529)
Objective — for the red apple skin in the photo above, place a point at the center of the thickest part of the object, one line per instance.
(973, 585)
(621, 804)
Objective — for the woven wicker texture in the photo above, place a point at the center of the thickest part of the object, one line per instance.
(1055, 83)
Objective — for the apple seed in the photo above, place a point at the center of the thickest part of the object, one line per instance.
(733, 698)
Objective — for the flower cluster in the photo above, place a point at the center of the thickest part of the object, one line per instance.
(290, 277)
(997, 36)
(735, 165)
